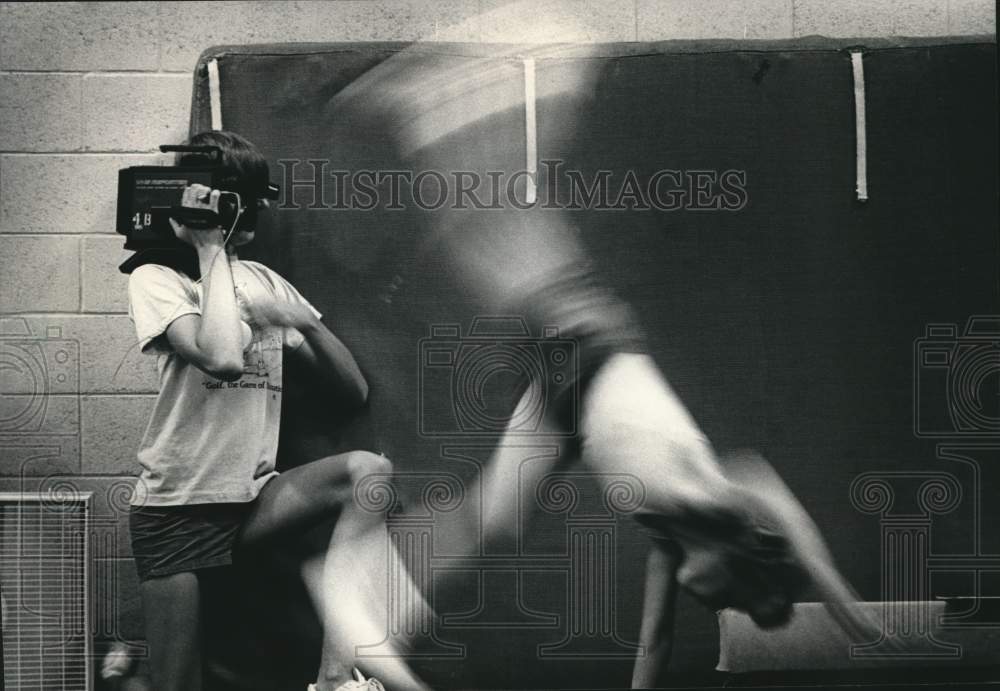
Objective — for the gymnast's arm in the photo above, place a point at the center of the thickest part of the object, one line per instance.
(656, 633)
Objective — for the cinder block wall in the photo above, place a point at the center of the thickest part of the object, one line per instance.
(88, 88)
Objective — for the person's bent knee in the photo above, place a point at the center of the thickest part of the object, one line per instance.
(361, 464)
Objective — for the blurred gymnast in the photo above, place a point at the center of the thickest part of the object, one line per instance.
(731, 534)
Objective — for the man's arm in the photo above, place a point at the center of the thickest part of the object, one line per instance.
(326, 353)
(212, 341)
(320, 349)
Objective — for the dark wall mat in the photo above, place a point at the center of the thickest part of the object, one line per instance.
(790, 325)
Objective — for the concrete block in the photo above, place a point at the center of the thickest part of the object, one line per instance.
(135, 112)
(58, 193)
(187, 29)
(105, 288)
(78, 36)
(693, 19)
(769, 19)
(40, 381)
(582, 21)
(415, 20)
(40, 112)
(860, 18)
(105, 357)
(112, 427)
(972, 17)
(51, 363)
(51, 448)
(41, 274)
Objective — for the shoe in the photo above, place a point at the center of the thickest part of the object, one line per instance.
(117, 663)
(358, 683)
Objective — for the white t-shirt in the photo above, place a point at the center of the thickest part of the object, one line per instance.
(209, 440)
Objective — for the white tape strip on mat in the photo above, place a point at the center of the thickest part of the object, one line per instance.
(861, 137)
(530, 131)
(214, 95)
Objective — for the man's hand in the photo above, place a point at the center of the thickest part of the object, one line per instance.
(199, 197)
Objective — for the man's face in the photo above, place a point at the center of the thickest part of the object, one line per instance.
(242, 237)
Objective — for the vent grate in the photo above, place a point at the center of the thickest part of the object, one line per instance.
(43, 581)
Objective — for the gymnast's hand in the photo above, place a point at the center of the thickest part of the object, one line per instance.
(271, 312)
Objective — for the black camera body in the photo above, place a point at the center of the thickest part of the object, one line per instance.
(149, 196)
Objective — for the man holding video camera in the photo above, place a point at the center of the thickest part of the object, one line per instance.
(208, 487)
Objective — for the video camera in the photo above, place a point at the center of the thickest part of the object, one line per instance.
(149, 196)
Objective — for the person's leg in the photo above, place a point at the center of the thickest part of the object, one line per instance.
(337, 656)
(349, 583)
(362, 579)
(505, 476)
(492, 506)
(300, 498)
(171, 605)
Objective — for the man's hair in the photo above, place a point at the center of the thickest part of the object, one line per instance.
(244, 168)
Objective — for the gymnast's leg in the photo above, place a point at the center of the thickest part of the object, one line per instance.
(503, 478)
(531, 262)
(347, 583)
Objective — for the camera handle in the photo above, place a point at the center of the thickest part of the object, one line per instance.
(199, 219)
(213, 151)
(230, 209)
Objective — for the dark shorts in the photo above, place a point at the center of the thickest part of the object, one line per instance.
(175, 539)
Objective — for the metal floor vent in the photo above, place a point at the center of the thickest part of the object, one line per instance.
(43, 583)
